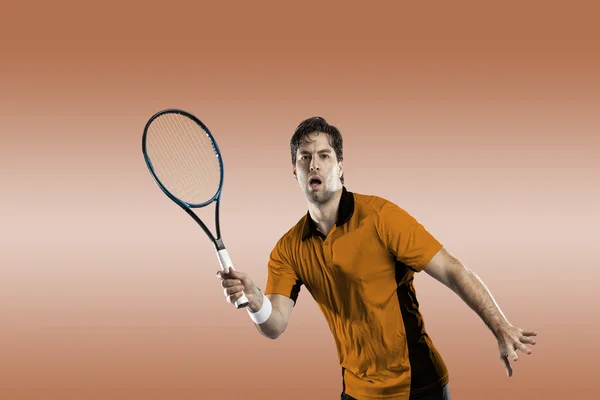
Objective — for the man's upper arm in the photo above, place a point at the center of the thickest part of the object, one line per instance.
(282, 278)
(443, 266)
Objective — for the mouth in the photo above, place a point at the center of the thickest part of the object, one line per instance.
(315, 182)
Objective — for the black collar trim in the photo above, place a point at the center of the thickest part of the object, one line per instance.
(345, 211)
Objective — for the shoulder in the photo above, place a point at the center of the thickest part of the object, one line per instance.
(366, 203)
(382, 211)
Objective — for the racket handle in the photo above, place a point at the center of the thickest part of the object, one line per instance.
(226, 264)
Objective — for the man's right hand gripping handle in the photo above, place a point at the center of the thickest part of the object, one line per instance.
(270, 313)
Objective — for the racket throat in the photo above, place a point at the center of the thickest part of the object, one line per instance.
(219, 244)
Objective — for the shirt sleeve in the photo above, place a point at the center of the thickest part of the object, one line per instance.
(282, 277)
(406, 238)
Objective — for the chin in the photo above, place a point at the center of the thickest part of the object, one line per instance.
(320, 197)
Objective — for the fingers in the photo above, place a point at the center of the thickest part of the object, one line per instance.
(227, 280)
(237, 275)
(523, 348)
(528, 340)
(514, 340)
(230, 286)
(231, 282)
(525, 337)
(510, 350)
(506, 354)
(509, 370)
(232, 298)
(233, 288)
(232, 274)
(235, 285)
(222, 275)
(228, 276)
(228, 291)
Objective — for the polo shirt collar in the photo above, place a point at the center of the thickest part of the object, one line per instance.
(345, 211)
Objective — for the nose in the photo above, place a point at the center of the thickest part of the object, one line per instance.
(313, 164)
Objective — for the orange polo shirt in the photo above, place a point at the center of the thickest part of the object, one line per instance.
(361, 276)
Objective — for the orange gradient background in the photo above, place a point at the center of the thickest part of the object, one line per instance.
(482, 121)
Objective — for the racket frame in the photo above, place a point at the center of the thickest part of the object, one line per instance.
(217, 240)
(187, 207)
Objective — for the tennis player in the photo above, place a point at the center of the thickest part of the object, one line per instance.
(357, 255)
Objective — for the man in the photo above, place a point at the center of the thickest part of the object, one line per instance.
(357, 255)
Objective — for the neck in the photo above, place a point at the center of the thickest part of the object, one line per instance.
(325, 215)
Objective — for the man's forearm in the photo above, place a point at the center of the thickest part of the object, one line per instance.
(275, 325)
(471, 289)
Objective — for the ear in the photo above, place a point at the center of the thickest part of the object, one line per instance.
(295, 175)
(340, 169)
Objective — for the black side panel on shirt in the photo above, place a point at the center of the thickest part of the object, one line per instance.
(296, 290)
(427, 366)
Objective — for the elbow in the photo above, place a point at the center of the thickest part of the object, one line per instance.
(273, 333)
(273, 336)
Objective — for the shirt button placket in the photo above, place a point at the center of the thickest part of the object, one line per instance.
(328, 250)
(328, 247)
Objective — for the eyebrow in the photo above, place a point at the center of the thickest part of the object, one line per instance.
(319, 152)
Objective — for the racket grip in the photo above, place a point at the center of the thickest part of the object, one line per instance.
(226, 264)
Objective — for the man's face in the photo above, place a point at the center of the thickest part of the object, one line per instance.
(317, 169)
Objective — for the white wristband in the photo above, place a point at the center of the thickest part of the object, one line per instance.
(264, 313)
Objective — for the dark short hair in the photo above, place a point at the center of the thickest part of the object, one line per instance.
(317, 124)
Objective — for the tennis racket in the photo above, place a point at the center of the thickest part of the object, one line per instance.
(184, 160)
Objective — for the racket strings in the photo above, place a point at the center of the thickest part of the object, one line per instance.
(194, 157)
(185, 162)
(184, 158)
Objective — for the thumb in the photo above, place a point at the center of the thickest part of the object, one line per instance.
(235, 274)
(242, 277)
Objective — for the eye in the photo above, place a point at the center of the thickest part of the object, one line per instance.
(325, 155)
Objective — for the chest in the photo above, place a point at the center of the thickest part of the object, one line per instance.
(352, 256)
